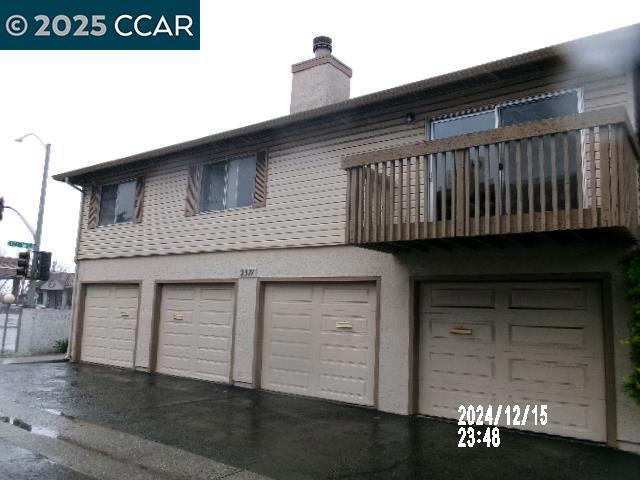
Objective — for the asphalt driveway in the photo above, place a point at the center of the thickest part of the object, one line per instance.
(284, 437)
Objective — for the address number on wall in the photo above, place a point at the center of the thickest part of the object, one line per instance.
(248, 272)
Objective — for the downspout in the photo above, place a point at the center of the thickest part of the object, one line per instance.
(76, 281)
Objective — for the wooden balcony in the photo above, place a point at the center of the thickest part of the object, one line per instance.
(576, 174)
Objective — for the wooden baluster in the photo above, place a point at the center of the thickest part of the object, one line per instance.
(476, 191)
(518, 186)
(360, 220)
(592, 174)
(529, 150)
(605, 196)
(434, 197)
(375, 209)
(452, 206)
(497, 192)
(543, 186)
(487, 190)
(579, 179)
(554, 181)
(457, 220)
(392, 198)
(425, 166)
(382, 234)
(367, 204)
(352, 195)
(466, 194)
(504, 150)
(622, 162)
(407, 230)
(416, 228)
(615, 169)
(567, 181)
(443, 196)
(400, 197)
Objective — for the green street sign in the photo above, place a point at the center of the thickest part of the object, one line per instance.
(13, 243)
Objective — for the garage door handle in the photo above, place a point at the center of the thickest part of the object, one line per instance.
(461, 331)
(345, 325)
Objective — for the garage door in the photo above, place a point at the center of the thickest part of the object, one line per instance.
(109, 325)
(319, 340)
(194, 338)
(516, 343)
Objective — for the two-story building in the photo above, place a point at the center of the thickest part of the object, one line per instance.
(452, 241)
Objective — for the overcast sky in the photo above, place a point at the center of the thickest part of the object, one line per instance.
(99, 106)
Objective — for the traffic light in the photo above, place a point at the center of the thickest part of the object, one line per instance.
(23, 264)
(41, 266)
(1, 207)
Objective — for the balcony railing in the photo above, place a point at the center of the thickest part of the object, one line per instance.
(570, 173)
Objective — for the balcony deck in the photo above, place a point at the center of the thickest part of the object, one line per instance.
(576, 174)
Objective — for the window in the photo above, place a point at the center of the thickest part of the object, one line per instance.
(117, 203)
(228, 184)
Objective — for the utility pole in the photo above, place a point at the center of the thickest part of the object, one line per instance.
(31, 291)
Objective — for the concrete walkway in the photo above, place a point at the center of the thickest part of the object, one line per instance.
(137, 418)
(54, 357)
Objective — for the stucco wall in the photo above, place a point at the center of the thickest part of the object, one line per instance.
(40, 328)
(394, 272)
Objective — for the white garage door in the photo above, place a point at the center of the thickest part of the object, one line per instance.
(109, 325)
(319, 340)
(196, 324)
(515, 343)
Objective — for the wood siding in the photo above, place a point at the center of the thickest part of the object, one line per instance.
(306, 194)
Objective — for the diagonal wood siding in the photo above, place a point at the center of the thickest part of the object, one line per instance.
(306, 194)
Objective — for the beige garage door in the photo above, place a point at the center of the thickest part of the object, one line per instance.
(196, 324)
(515, 343)
(319, 340)
(109, 325)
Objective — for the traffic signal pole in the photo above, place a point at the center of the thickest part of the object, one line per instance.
(31, 291)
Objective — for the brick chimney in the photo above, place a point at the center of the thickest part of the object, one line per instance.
(320, 81)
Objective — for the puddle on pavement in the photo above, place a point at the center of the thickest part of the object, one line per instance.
(35, 429)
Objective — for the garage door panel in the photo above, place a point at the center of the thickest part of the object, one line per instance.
(347, 322)
(350, 294)
(109, 324)
(559, 376)
(287, 378)
(535, 341)
(443, 401)
(324, 345)
(348, 355)
(342, 387)
(212, 317)
(445, 329)
(548, 298)
(565, 417)
(195, 331)
(215, 342)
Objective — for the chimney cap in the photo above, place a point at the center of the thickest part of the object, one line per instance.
(322, 42)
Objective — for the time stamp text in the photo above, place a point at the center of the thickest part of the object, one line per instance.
(479, 425)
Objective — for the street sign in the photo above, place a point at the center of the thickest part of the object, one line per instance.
(13, 243)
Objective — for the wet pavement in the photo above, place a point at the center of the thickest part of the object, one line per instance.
(285, 437)
(20, 463)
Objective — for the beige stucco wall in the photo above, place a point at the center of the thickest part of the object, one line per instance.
(394, 272)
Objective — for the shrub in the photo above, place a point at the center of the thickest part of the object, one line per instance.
(61, 346)
(631, 264)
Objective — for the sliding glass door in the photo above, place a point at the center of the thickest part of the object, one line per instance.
(499, 168)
